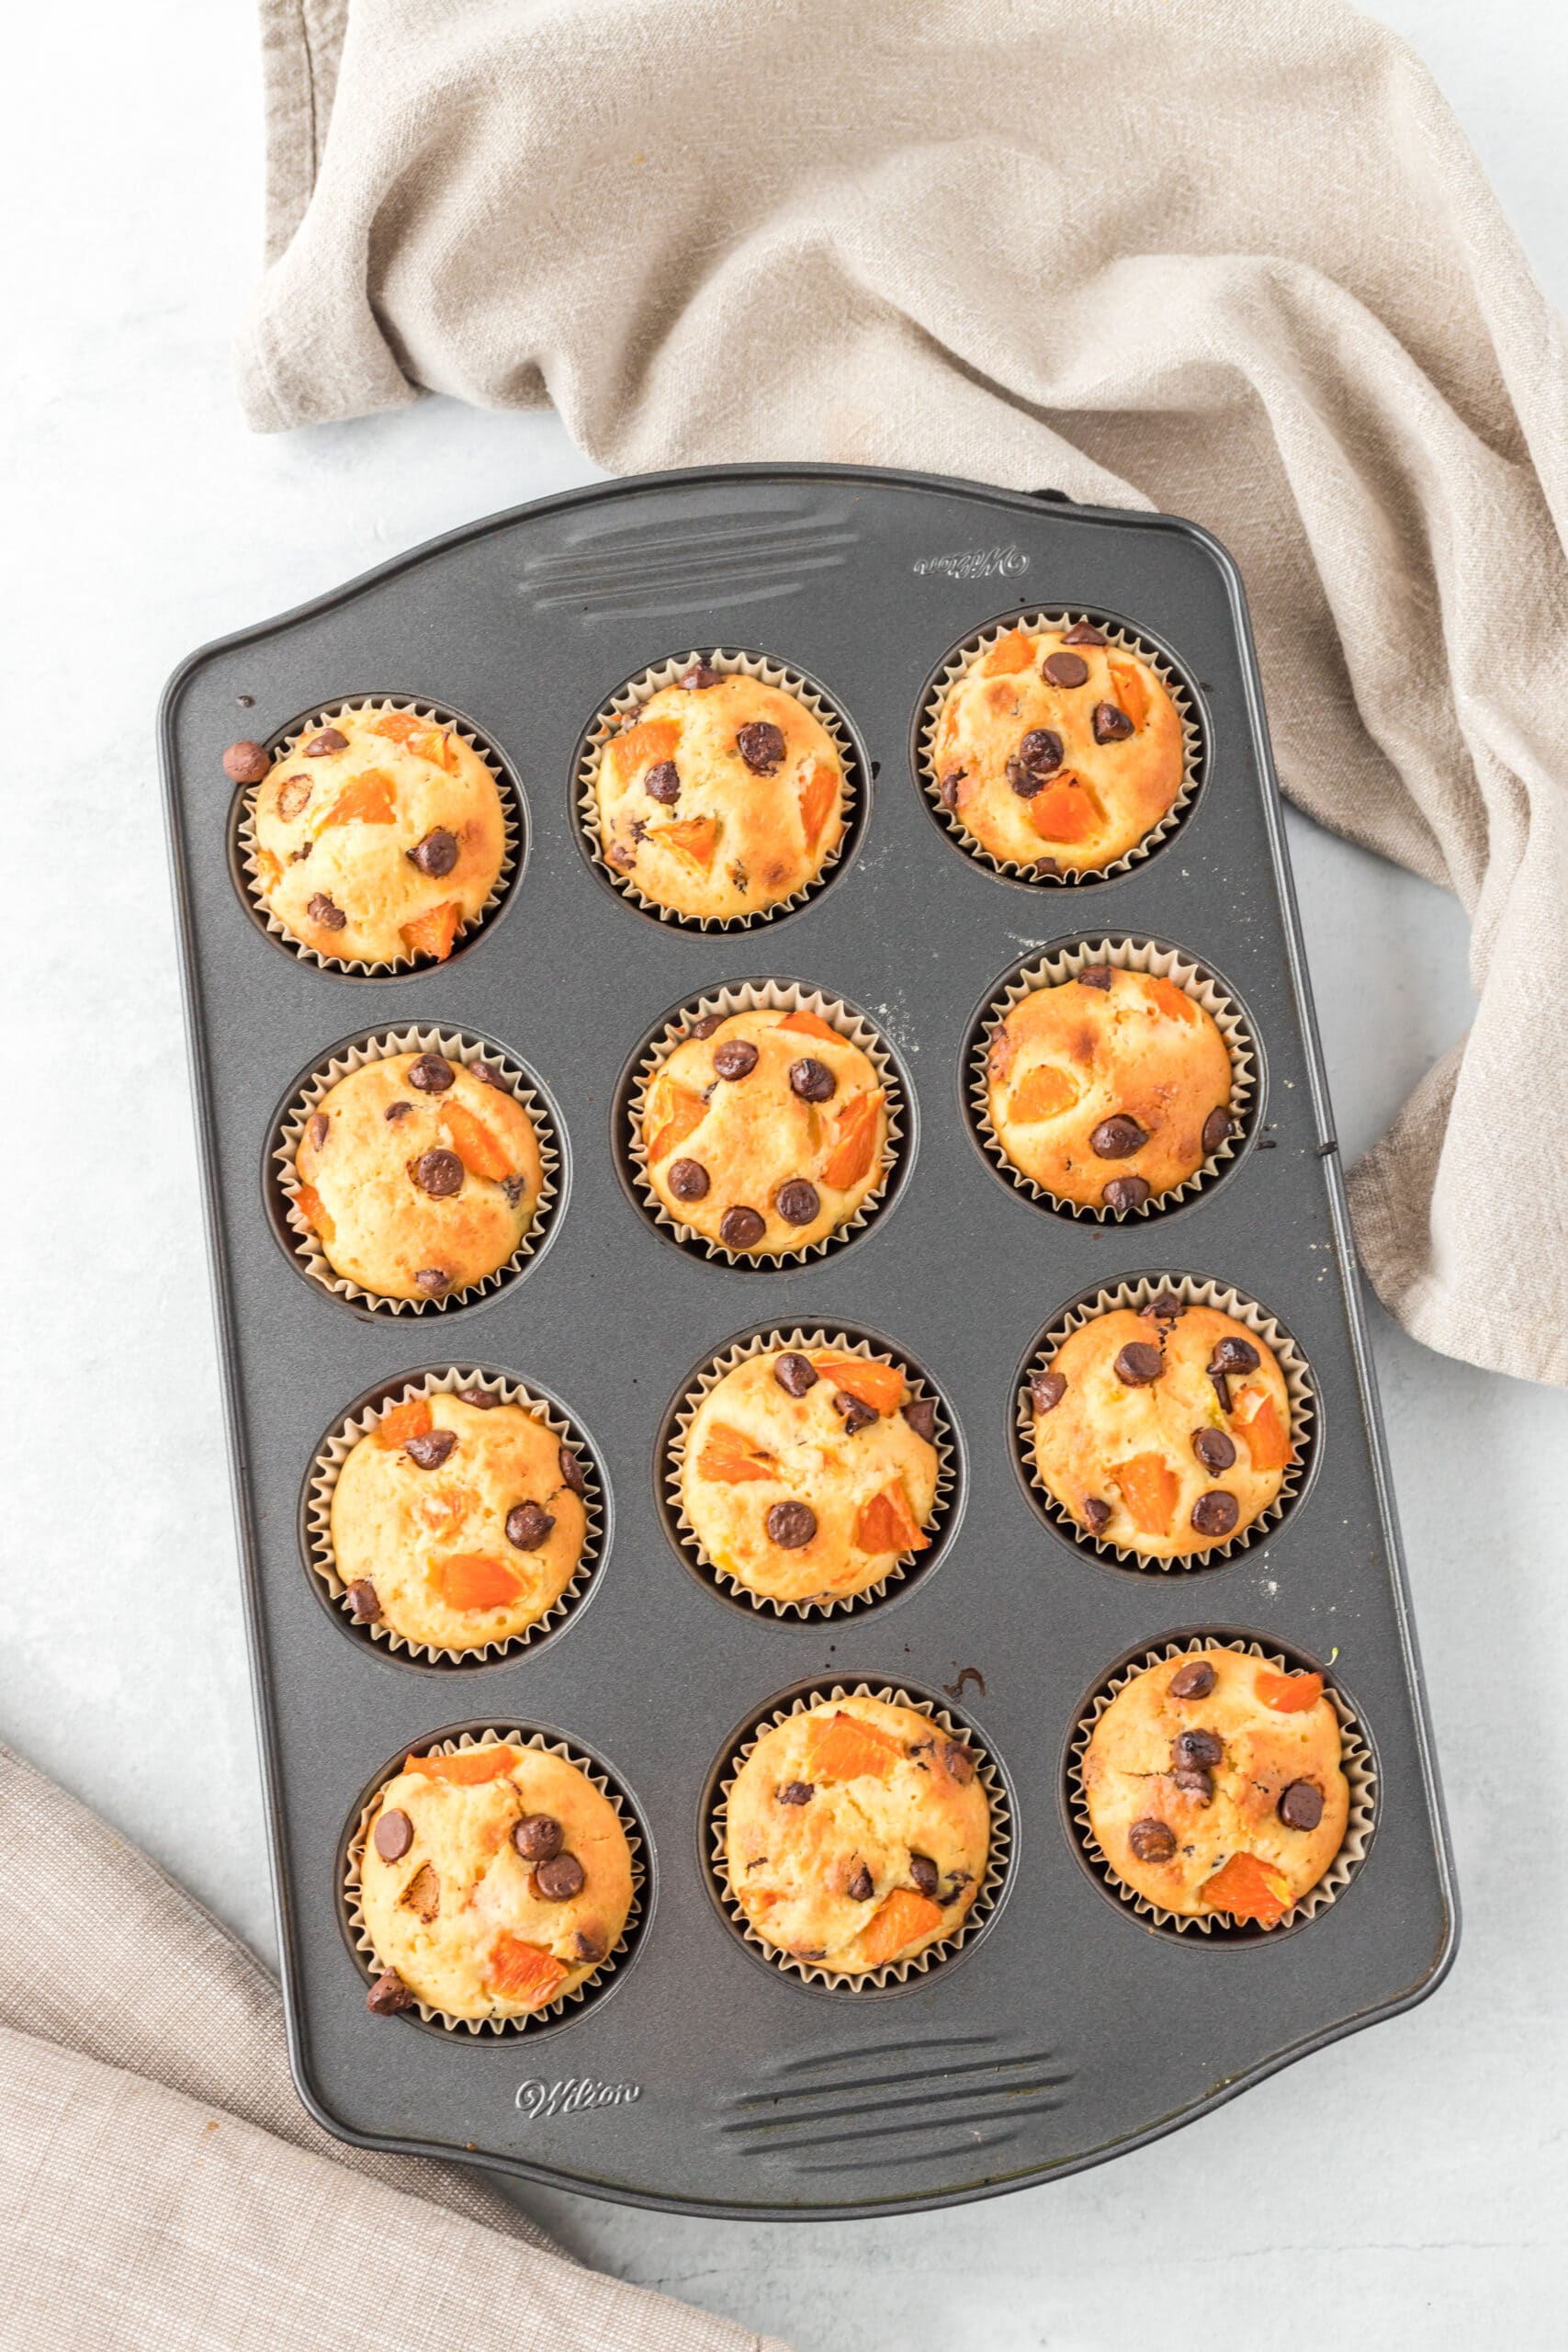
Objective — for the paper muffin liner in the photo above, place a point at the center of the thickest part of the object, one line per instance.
(553, 2011)
(382, 1046)
(511, 829)
(1121, 638)
(740, 1351)
(1355, 1761)
(897, 1972)
(1127, 955)
(327, 1466)
(763, 996)
(1192, 1292)
(639, 690)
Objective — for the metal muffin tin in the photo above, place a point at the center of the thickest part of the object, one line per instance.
(698, 2078)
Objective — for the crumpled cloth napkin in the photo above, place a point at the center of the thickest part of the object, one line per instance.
(161, 2190)
(1235, 261)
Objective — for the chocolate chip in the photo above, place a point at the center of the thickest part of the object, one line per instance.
(619, 854)
(1046, 1390)
(1097, 1513)
(1137, 1364)
(1301, 1807)
(1084, 633)
(812, 1081)
(797, 1201)
(1194, 1782)
(560, 1878)
(571, 1475)
(1216, 1512)
(322, 911)
(537, 1836)
(295, 854)
(246, 763)
(1152, 1840)
(947, 791)
(514, 1187)
(329, 739)
(688, 1179)
(921, 1414)
(1047, 869)
(707, 1024)
(244, 702)
(1216, 1130)
(853, 1412)
(423, 1892)
(587, 1946)
(790, 1525)
(1039, 754)
(797, 1793)
(796, 1373)
(1110, 723)
(481, 1398)
(740, 1227)
(397, 1110)
(1193, 1680)
(317, 1129)
(362, 1598)
(488, 1076)
(1221, 1388)
(1215, 1450)
(861, 1887)
(924, 1873)
(393, 1835)
(437, 853)
(1164, 1307)
(527, 1524)
(432, 1279)
(428, 1452)
(1095, 976)
(737, 1057)
(431, 1074)
(1234, 1355)
(1117, 1138)
(1194, 1747)
(389, 1995)
(760, 745)
(439, 1173)
(1065, 669)
(663, 783)
(960, 1762)
(293, 796)
(1126, 1192)
(698, 676)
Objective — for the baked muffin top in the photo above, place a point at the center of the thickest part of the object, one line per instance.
(1110, 1089)
(417, 1177)
(1166, 1431)
(378, 836)
(857, 1835)
(494, 1882)
(808, 1474)
(457, 1520)
(1056, 745)
(765, 1131)
(1214, 1785)
(722, 796)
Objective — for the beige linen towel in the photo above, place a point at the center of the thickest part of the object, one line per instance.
(1233, 259)
(162, 2190)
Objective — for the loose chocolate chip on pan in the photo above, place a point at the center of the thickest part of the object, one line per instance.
(688, 1179)
(432, 1281)
(537, 1836)
(527, 1524)
(1193, 1680)
(853, 1412)
(362, 1598)
(796, 1373)
(790, 1525)
(322, 911)
(1217, 1129)
(1046, 1390)
(797, 1201)
(317, 1129)
(698, 676)
(328, 740)
(389, 1995)
(571, 1475)
(1065, 669)
(293, 796)
(923, 1870)
(1215, 1450)
(947, 791)
(740, 1227)
(1194, 1782)
(760, 745)
(960, 1762)
(797, 1793)
(397, 1110)
(428, 1452)
(707, 1024)
(481, 1398)
(439, 1173)
(861, 1887)
(1095, 976)
(437, 853)
(812, 1081)
(1126, 1192)
(1234, 1355)
(431, 1074)
(1301, 1807)
(663, 783)
(1216, 1512)
(1191, 1747)
(737, 1057)
(393, 1835)
(246, 762)
(1138, 1364)
(1097, 1513)
(921, 1414)
(1112, 724)
(1084, 633)
(560, 1878)
(1152, 1840)
(1117, 1138)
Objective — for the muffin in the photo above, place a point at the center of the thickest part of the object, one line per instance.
(1110, 1089)
(720, 796)
(765, 1131)
(1166, 1431)
(494, 1882)
(417, 1176)
(857, 1835)
(1214, 1786)
(457, 1520)
(1056, 749)
(808, 1474)
(378, 837)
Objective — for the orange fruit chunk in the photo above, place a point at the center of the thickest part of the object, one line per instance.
(432, 933)
(1131, 691)
(905, 1919)
(730, 1456)
(439, 746)
(397, 725)
(268, 869)
(1267, 1441)
(1149, 1488)
(696, 837)
(844, 1749)
(524, 1972)
(368, 799)
(411, 1418)
(481, 1152)
(1045, 1093)
(308, 1201)
(1173, 1002)
(1288, 1694)
(880, 1385)
(468, 1768)
(886, 1523)
(679, 1110)
(851, 1157)
(1064, 811)
(1249, 1889)
(810, 1024)
(1015, 652)
(644, 745)
(817, 795)
(473, 1580)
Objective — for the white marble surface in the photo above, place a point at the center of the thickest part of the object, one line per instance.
(1403, 2189)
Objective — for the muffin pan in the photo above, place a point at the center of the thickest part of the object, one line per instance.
(1062, 2029)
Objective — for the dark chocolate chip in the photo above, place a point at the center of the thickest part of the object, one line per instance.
(428, 1452)
(246, 763)
(1215, 1450)
(1221, 1388)
(437, 853)
(796, 1373)
(389, 1995)
(760, 745)
(1216, 1512)
(439, 1173)
(295, 854)
(322, 911)
(947, 791)
(1039, 751)
(1137, 1364)
(1126, 1192)
(960, 1762)
(363, 1601)
(737, 1057)
(537, 1836)
(797, 1201)
(1234, 1355)
(1301, 1807)
(1216, 1131)
(688, 1179)
(1152, 1840)
(924, 1873)
(514, 1187)
(487, 1075)
(244, 702)
(1095, 976)
(790, 1525)
(861, 1887)
(317, 1129)
(1194, 1782)
(707, 1024)
(1117, 1138)
(740, 1227)
(587, 1946)
(481, 1398)
(527, 1524)
(432, 1279)
(560, 1878)
(397, 1110)
(921, 1414)
(853, 1412)
(431, 1074)
(1097, 1513)
(663, 783)
(698, 676)
(393, 1835)
(1193, 1680)
(1065, 669)
(1112, 724)
(293, 796)
(571, 1475)
(1164, 1307)
(797, 1793)
(1194, 1747)
(812, 1081)
(329, 739)
(1084, 633)
(1046, 1390)
(619, 854)
(1047, 869)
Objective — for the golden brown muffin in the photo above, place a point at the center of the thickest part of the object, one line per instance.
(378, 837)
(417, 1177)
(765, 1131)
(1214, 1785)
(808, 1474)
(857, 1835)
(1110, 1089)
(722, 796)
(457, 1520)
(1056, 746)
(1166, 1431)
(495, 1880)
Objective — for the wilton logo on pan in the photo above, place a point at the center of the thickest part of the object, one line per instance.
(976, 563)
(539, 2100)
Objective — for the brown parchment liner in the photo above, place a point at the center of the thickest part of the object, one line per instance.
(1125, 640)
(1126, 955)
(591, 1984)
(328, 1465)
(383, 1045)
(510, 818)
(1356, 1762)
(713, 1371)
(1262, 1325)
(998, 1856)
(641, 689)
(764, 996)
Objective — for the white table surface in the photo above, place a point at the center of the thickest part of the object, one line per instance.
(1403, 2189)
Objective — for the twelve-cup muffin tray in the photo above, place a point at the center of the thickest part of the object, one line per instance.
(1068, 2026)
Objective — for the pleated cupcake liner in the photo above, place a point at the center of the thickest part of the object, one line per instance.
(1192, 1293)
(597, 1979)
(741, 1351)
(1356, 1762)
(432, 714)
(454, 1045)
(763, 996)
(639, 690)
(896, 1972)
(1125, 954)
(1123, 640)
(327, 1466)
